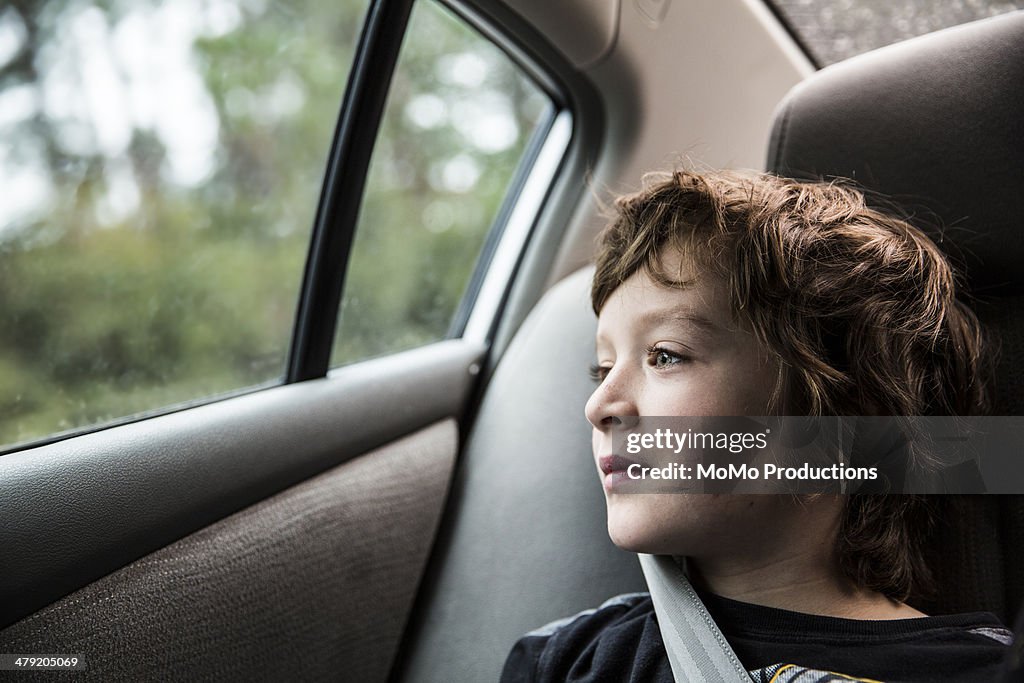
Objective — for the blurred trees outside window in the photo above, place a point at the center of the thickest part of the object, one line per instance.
(456, 125)
(161, 163)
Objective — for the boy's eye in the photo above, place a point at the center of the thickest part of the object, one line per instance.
(659, 357)
(598, 372)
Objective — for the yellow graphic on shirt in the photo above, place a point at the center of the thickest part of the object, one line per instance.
(792, 673)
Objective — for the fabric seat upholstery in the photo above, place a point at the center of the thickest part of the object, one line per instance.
(937, 124)
(525, 540)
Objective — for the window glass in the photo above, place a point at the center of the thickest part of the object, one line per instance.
(161, 163)
(836, 29)
(457, 123)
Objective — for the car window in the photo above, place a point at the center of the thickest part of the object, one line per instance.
(161, 163)
(457, 125)
(833, 30)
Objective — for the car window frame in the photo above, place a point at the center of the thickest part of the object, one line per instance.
(363, 102)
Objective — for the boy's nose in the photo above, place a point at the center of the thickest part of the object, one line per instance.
(611, 400)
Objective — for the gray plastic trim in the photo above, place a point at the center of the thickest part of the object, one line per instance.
(517, 230)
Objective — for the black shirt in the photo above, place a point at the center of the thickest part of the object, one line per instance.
(620, 641)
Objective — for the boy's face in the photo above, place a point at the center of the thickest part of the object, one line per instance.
(678, 352)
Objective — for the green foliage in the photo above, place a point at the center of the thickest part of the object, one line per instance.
(191, 291)
(418, 240)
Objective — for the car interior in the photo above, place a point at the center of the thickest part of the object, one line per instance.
(408, 517)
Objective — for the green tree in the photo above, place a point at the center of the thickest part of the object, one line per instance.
(180, 148)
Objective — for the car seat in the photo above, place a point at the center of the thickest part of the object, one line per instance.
(937, 121)
(525, 539)
(937, 124)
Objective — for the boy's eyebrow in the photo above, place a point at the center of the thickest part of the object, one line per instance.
(682, 314)
(679, 314)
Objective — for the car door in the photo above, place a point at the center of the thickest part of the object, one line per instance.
(243, 331)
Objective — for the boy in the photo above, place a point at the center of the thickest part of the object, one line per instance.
(740, 294)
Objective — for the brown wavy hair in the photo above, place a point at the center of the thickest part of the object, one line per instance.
(860, 307)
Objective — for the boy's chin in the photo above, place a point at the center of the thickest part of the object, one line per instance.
(640, 536)
(663, 524)
(631, 542)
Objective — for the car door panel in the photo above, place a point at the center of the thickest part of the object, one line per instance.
(141, 486)
(273, 590)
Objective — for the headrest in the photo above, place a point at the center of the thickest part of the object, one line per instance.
(937, 124)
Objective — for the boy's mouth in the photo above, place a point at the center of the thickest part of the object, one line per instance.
(614, 473)
(614, 463)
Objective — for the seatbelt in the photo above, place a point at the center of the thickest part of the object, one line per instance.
(697, 650)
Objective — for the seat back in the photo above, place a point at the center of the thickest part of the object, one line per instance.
(937, 124)
(526, 539)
